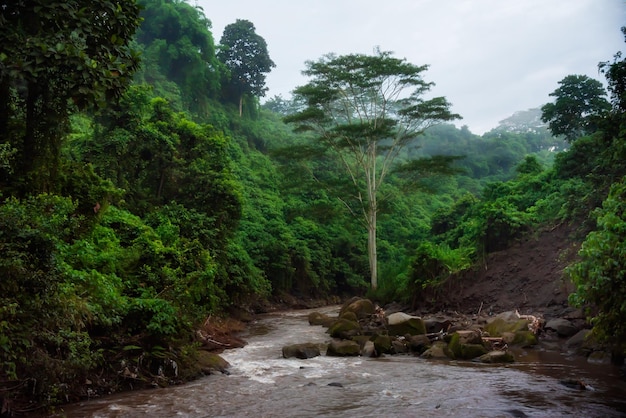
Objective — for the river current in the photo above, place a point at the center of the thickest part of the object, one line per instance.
(263, 384)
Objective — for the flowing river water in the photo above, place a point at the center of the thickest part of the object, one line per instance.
(263, 384)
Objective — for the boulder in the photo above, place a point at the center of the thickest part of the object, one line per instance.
(498, 326)
(524, 339)
(368, 350)
(497, 357)
(400, 323)
(210, 362)
(437, 324)
(563, 327)
(301, 351)
(465, 346)
(382, 343)
(469, 336)
(418, 343)
(349, 316)
(599, 357)
(343, 348)
(399, 347)
(575, 384)
(438, 350)
(362, 308)
(578, 342)
(317, 318)
(342, 328)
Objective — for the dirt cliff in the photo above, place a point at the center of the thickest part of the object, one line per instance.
(528, 276)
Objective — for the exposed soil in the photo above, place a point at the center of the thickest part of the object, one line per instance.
(528, 276)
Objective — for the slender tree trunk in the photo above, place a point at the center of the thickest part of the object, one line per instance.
(372, 250)
(240, 105)
(372, 211)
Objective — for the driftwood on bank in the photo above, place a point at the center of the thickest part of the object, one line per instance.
(534, 323)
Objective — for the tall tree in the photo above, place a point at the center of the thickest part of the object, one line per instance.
(578, 105)
(245, 54)
(56, 56)
(365, 109)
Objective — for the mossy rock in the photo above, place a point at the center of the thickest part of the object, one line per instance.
(525, 339)
(343, 348)
(349, 316)
(362, 308)
(211, 362)
(499, 326)
(465, 351)
(317, 318)
(382, 344)
(301, 351)
(399, 347)
(472, 351)
(402, 324)
(419, 343)
(469, 336)
(438, 350)
(342, 328)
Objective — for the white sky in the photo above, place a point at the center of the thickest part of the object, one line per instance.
(489, 58)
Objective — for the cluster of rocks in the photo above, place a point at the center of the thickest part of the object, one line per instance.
(363, 329)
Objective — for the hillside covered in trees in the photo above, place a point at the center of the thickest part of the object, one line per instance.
(144, 187)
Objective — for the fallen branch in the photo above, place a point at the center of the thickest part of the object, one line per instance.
(496, 342)
(534, 324)
(205, 338)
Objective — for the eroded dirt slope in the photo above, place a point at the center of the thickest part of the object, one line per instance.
(527, 276)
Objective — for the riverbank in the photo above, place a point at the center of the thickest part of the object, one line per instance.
(261, 382)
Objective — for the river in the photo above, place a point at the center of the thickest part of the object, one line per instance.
(263, 384)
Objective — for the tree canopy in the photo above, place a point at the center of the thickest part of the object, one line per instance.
(578, 106)
(245, 54)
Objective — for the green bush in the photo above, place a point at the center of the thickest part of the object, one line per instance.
(600, 276)
(432, 264)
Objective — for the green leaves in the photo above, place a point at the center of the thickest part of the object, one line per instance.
(178, 54)
(578, 106)
(600, 276)
(244, 53)
(53, 63)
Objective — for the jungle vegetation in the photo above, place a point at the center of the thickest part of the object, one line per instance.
(143, 187)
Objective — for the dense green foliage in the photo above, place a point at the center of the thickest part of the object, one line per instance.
(601, 275)
(131, 211)
(57, 57)
(178, 57)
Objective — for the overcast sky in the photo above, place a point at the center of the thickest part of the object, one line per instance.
(489, 58)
